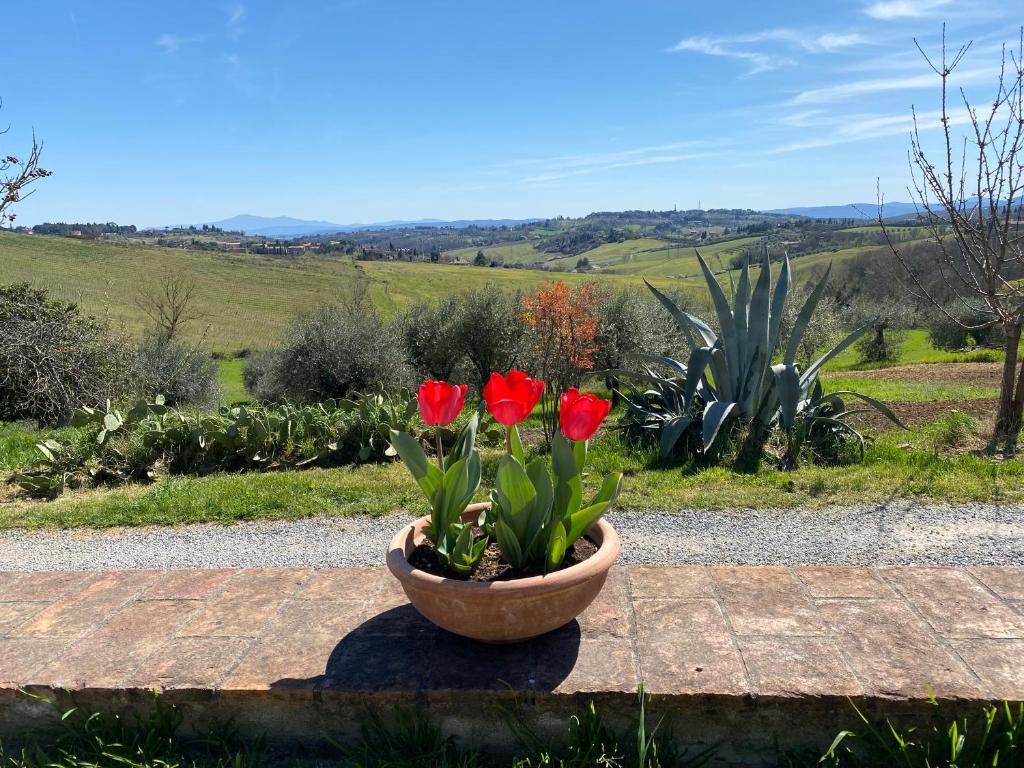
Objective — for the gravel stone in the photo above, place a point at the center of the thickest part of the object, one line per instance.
(897, 533)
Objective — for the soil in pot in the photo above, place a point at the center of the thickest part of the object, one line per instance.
(491, 566)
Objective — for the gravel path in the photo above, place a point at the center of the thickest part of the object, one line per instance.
(894, 534)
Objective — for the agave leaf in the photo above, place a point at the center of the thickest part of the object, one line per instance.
(787, 382)
(700, 357)
(723, 388)
(757, 353)
(779, 299)
(687, 323)
(741, 306)
(878, 405)
(803, 319)
(812, 372)
(671, 431)
(725, 318)
(715, 415)
(668, 362)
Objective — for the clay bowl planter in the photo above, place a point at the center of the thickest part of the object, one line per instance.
(502, 611)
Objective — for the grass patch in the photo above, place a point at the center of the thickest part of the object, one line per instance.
(889, 390)
(17, 446)
(992, 735)
(916, 348)
(897, 465)
(230, 377)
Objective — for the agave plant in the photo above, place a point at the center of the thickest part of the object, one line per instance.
(732, 372)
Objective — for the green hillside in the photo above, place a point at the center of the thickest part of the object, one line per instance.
(248, 300)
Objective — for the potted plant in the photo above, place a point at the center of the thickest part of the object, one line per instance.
(532, 558)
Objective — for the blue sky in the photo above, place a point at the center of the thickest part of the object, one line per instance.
(367, 110)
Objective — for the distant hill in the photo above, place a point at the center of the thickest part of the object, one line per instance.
(287, 226)
(862, 211)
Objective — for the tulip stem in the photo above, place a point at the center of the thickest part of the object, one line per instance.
(440, 449)
(508, 440)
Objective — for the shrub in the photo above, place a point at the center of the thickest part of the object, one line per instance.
(631, 323)
(889, 318)
(333, 351)
(54, 359)
(114, 444)
(564, 325)
(945, 332)
(428, 331)
(182, 373)
(881, 345)
(490, 331)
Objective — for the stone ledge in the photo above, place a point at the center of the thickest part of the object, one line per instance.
(730, 654)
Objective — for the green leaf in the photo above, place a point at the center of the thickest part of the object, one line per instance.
(508, 543)
(111, 422)
(411, 453)
(556, 547)
(466, 441)
(517, 445)
(540, 513)
(514, 485)
(581, 521)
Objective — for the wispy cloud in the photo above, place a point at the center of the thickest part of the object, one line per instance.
(849, 128)
(567, 166)
(235, 20)
(887, 10)
(855, 88)
(171, 43)
(744, 46)
(711, 46)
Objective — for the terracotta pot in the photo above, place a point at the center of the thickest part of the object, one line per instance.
(502, 611)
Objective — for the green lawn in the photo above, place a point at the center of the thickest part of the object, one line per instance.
(899, 464)
(888, 390)
(231, 384)
(916, 349)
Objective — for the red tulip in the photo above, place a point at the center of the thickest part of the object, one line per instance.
(440, 402)
(581, 414)
(511, 398)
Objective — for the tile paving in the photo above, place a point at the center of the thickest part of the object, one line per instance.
(892, 633)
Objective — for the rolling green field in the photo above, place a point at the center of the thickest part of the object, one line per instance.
(509, 253)
(248, 299)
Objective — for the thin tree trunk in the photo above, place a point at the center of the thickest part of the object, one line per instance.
(1011, 393)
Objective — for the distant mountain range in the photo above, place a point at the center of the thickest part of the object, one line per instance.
(863, 211)
(288, 227)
